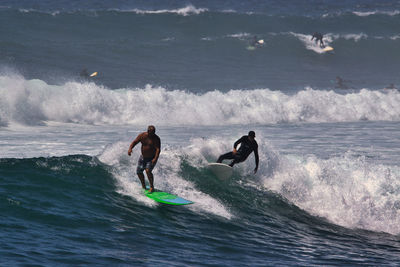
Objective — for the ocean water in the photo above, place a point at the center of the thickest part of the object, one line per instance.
(328, 187)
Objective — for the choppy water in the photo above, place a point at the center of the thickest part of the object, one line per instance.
(202, 46)
(327, 191)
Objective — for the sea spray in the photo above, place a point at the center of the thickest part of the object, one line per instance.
(346, 190)
(32, 102)
(167, 175)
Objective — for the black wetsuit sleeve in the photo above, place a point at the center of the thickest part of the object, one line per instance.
(238, 142)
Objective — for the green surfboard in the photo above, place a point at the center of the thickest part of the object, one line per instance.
(166, 198)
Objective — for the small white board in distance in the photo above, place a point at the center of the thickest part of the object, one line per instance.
(222, 171)
(327, 48)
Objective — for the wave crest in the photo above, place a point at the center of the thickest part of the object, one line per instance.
(34, 102)
(184, 11)
(347, 190)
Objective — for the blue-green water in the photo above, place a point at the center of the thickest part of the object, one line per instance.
(330, 198)
(201, 45)
(327, 191)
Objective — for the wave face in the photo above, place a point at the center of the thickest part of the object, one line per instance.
(78, 201)
(33, 102)
(201, 46)
(348, 190)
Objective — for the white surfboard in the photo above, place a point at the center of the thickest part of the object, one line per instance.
(93, 74)
(327, 48)
(222, 171)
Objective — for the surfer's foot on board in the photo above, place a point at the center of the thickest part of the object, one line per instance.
(151, 190)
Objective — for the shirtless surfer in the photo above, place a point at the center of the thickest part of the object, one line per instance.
(151, 147)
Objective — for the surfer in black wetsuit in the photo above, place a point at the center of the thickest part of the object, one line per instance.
(318, 37)
(254, 42)
(248, 144)
(84, 74)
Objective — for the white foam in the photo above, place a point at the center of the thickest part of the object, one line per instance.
(370, 13)
(355, 37)
(346, 190)
(241, 35)
(33, 102)
(184, 11)
(31, 10)
(311, 44)
(167, 178)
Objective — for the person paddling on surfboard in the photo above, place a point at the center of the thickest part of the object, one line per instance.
(151, 147)
(254, 42)
(84, 74)
(248, 144)
(318, 37)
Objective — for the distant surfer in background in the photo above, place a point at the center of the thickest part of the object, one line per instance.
(254, 42)
(85, 74)
(390, 86)
(248, 144)
(340, 83)
(151, 147)
(318, 37)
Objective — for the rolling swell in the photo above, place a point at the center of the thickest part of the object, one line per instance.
(139, 46)
(130, 20)
(42, 197)
(72, 202)
(80, 201)
(47, 186)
